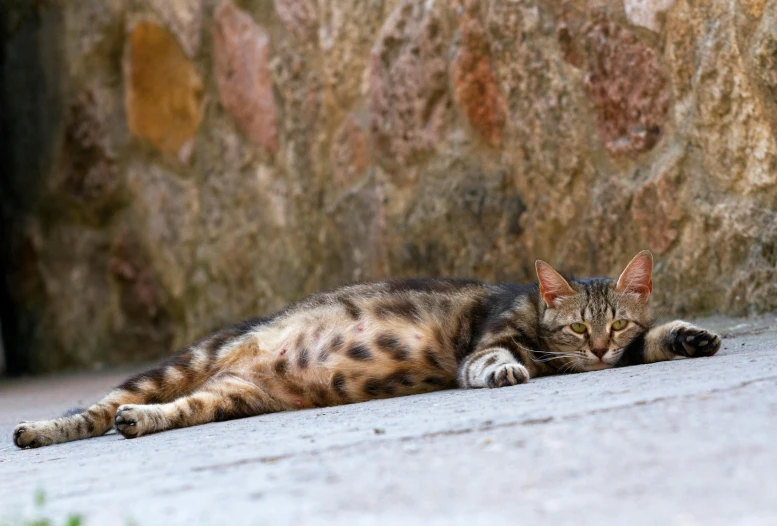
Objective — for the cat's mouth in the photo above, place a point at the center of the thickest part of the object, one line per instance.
(597, 366)
(611, 358)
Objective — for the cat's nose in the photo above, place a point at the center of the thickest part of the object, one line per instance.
(600, 352)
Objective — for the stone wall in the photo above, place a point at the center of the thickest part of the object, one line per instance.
(175, 165)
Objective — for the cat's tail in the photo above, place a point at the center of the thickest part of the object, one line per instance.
(179, 376)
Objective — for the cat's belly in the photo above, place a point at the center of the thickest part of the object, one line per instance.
(320, 362)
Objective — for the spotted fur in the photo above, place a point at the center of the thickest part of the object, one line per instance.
(380, 340)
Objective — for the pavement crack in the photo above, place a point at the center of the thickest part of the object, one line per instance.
(270, 459)
(533, 421)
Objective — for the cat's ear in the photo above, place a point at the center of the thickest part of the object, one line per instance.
(637, 278)
(552, 285)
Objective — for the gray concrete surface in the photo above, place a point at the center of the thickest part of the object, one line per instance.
(689, 442)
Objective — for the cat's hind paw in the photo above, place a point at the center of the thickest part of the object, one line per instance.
(132, 421)
(33, 434)
(507, 374)
(694, 342)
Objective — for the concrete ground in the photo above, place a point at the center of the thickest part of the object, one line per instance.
(678, 443)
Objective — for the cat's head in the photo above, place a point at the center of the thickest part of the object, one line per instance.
(588, 323)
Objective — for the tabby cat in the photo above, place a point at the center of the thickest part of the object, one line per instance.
(380, 340)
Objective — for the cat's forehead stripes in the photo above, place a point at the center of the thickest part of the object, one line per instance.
(598, 303)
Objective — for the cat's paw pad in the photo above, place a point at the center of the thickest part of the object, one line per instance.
(32, 434)
(131, 421)
(694, 342)
(507, 374)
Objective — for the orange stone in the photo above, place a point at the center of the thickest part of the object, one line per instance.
(754, 8)
(475, 87)
(164, 92)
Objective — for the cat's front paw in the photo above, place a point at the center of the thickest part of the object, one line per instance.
(693, 342)
(33, 434)
(132, 421)
(507, 374)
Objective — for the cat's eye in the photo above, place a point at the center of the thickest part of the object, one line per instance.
(619, 325)
(579, 328)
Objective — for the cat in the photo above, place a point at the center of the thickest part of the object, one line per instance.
(368, 341)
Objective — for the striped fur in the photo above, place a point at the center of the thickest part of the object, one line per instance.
(389, 339)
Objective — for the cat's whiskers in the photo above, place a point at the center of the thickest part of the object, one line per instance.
(553, 356)
(558, 353)
(570, 366)
(550, 359)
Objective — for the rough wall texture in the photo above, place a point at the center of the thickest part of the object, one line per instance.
(170, 167)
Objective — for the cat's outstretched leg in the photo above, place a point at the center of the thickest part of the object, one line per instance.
(492, 367)
(678, 338)
(224, 397)
(178, 376)
(92, 422)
